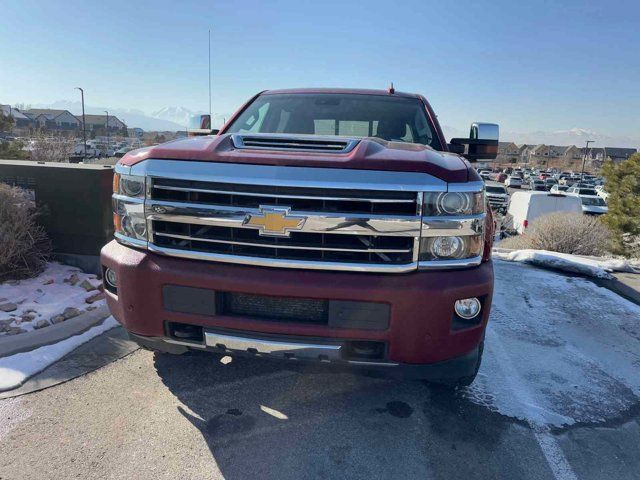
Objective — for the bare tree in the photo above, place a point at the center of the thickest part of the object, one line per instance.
(51, 149)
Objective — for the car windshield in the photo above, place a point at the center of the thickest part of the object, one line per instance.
(588, 191)
(492, 189)
(394, 118)
(594, 201)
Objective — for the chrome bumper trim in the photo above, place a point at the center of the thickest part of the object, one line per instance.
(290, 350)
(449, 264)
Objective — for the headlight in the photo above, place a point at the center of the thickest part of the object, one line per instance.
(450, 247)
(453, 203)
(128, 209)
(129, 185)
(128, 218)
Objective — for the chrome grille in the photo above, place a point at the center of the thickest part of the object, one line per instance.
(298, 246)
(297, 198)
(342, 226)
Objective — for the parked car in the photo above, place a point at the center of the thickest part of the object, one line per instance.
(513, 181)
(121, 152)
(501, 177)
(569, 180)
(557, 188)
(537, 185)
(601, 191)
(592, 203)
(497, 196)
(486, 174)
(301, 244)
(549, 183)
(525, 207)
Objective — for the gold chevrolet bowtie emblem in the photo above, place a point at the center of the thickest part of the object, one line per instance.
(274, 221)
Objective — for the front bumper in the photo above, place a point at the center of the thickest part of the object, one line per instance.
(420, 329)
(448, 370)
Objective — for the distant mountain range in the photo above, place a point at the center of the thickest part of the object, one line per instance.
(574, 136)
(181, 116)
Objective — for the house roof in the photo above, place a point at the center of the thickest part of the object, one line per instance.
(101, 119)
(615, 152)
(14, 112)
(49, 113)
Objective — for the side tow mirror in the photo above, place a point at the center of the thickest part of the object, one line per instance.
(482, 142)
(201, 125)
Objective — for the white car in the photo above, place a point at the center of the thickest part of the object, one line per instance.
(497, 196)
(601, 191)
(527, 206)
(592, 203)
(513, 181)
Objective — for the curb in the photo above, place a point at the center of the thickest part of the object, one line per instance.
(615, 285)
(12, 344)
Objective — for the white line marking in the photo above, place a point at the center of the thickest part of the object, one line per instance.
(550, 447)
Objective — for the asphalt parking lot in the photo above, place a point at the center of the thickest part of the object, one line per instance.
(557, 398)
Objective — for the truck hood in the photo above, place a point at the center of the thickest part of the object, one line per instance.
(369, 154)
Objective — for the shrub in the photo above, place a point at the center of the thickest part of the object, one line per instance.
(622, 181)
(572, 233)
(24, 246)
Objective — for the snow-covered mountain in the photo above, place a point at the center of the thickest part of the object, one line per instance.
(574, 136)
(181, 116)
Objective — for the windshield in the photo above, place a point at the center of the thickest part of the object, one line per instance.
(392, 118)
(491, 189)
(588, 191)
(597, 201)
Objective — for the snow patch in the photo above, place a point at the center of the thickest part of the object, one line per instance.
(46, 295)
(559, 350)
(592, 267)
(15, 369)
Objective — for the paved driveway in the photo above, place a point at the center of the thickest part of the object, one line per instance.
(556, 398)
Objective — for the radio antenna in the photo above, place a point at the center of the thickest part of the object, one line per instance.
(209, 75)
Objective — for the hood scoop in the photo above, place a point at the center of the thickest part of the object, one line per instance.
(297, 143)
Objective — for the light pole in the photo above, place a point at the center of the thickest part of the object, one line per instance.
(584, 158)
(84, 128)
(107, 129)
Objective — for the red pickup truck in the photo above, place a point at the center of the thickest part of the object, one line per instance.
(327, 225)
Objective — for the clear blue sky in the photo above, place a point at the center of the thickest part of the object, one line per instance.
(529, 65)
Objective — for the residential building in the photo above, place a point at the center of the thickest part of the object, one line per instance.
(19, 118)
(95, 122)
(136, 132)
(616, 155)
(53, 119)
(508, 152)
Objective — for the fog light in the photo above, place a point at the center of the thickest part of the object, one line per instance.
(111, 278)
(467, 308)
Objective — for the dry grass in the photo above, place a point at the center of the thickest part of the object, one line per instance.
(565, 233)
(24, 246)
